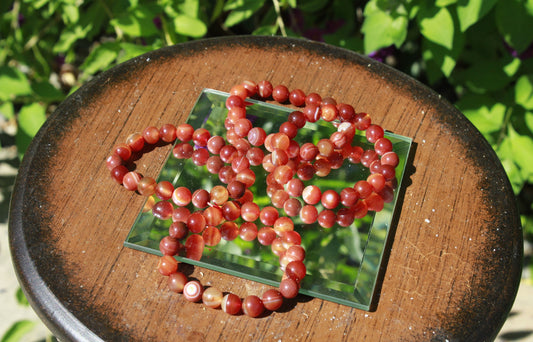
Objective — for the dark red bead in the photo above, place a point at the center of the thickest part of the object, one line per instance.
(280, 93)
(194, 246)
(272, 299)
(169, 245)
(296, 270)
(297, 118)
(167, 265)
(234, 101)
(312, 113)
(135, 141)
(167, 132)
(253, 306)
(313, 99)
(346, 112)
(162, 210)
(196, 222)
(297, 97)
(118, 173)
(289, 288)
(113, 161)
(123, 151)
(231, 304)
(264, 89)
(184, 132)
(151, 135)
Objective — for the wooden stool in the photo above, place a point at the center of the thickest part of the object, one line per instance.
(455, 255)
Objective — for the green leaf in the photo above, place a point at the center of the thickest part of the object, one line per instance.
(189, 26)
(479, 79)
(444, 3)
(515, 23)
(30, 119)
(528, 118)
(13, 83)
(513, 173)
(240, 10)
(130, 51)
(190, 8)
(524, 91)
(505, 153)
(17, 331)
(529, 6)
(21, 298)
(37, 4)
(7, 110)
(311, 6)
(436, 24)
(382, 29)
(267, 30)
(218, 8)
(470, 12)
(138, 22)
(92, 17)
(47, 92)
(100, 58)
(353, 43)
(70, 13)
(521, 146)
(441, 61)
(512, 67)
(68, 37)
(484, 112)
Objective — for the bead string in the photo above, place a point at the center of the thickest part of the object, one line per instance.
(287, 165)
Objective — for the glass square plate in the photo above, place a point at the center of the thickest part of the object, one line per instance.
(343, 264)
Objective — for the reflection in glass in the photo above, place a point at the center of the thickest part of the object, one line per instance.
(342, 263)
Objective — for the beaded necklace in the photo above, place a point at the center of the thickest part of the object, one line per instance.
(227, 211)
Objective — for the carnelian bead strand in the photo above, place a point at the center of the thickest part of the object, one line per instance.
(328, 154)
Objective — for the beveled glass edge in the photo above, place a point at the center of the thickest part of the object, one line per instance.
(384, 228)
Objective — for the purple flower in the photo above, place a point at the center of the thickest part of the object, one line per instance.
(313, 33)
(158, 22)
(527, 53)
(21, 19)
(59, 60)
(382, 54)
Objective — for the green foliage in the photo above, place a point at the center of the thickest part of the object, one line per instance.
(17, 331)
(384, 26)
(21, 298)
(478, 53)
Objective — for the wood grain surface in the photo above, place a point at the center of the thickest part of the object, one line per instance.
(455, 251)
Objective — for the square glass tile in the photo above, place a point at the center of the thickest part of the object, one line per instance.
(342, 263)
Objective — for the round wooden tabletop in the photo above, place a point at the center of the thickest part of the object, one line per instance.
(454, 262)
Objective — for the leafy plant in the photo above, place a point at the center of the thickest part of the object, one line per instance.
(19, 328)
